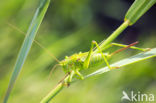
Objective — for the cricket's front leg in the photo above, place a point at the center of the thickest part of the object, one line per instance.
(72, 73)
(79, 74)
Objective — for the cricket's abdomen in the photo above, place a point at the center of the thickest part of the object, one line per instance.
(96, 59)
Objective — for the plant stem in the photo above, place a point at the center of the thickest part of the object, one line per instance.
(56, 90)
(118, 31)
(53, 93)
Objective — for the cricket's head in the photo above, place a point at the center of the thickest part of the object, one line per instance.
(66, 64)
(70, 62)
(65, 61)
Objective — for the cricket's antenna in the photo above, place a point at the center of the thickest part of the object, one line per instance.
(39, 44)
(53, 68)
(119, 50)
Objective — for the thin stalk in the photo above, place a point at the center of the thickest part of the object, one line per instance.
(53, 93)
(118, 31)
(56, 90)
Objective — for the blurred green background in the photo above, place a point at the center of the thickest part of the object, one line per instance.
(69, 27)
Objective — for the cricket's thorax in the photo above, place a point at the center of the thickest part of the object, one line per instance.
(76, 61)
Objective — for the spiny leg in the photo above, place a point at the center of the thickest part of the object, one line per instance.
(122, 45)
(122, 49)
(86, 62)
(132, 47)
(128, 46)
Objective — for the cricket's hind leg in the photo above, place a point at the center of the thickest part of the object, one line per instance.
(127, 46)
(87, 60)
(131, 46)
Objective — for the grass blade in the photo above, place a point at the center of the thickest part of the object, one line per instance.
(138, 8)
(33, 28)
(127, 61)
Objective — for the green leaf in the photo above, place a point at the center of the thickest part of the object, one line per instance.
(138, 8)
(127, 61)
(33, 28)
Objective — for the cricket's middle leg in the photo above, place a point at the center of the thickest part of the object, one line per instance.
(79, 74)
(71, 76)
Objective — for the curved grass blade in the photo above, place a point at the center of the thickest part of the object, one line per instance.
(33, 28)
(127, 61)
